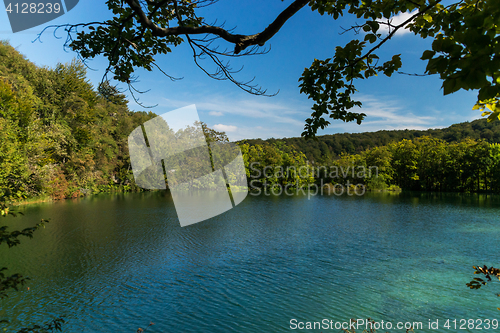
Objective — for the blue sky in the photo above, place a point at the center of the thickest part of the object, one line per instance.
(398, 102)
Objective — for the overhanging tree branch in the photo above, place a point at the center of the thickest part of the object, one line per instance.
(241, 41)
(463, 52)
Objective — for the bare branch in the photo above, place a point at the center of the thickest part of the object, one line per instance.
(241, 41)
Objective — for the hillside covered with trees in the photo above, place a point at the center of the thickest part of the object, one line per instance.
(59, 135)
(421, 164)
(63, 138)
(328, 147)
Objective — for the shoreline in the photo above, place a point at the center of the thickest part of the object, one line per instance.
(34, 201)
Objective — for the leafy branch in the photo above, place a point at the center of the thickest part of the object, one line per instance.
(488, 273)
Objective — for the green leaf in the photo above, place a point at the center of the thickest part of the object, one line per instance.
(387, 12)
(371, 38)
(450, 86)
(428, 54)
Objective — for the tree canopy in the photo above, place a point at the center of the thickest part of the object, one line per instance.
(465, 48)
(60, 137)
(328, 147)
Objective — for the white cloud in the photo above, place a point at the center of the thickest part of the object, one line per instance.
(256, 132)
(253, 109)
(225, 128)
(385, 114)
(276, 111)
(277, 118)
(251, 118)
(397, 20)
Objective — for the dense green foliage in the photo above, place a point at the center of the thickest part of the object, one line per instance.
(60, 137)
(328, 147)
(269, 165)
(424, 164)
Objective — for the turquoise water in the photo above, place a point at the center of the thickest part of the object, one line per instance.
(117, 263)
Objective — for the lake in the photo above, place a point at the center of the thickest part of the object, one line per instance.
(114, 263)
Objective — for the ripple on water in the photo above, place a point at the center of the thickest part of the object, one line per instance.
(116, 263)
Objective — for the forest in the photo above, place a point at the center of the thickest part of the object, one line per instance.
(422, 164)
(60, 137)
(63, 138)
(327, 147)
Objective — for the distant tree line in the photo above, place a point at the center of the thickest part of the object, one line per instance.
(422, 164)
(327, 147)
(425, 164)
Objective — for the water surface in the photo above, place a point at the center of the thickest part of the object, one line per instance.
(116, 263)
